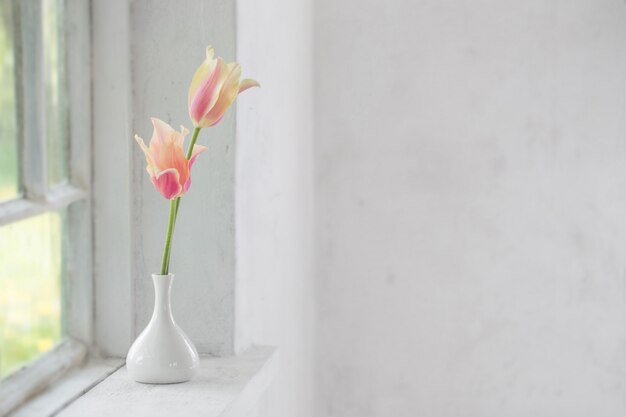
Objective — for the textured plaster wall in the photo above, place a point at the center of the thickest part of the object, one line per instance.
(168, 44)
(471, 178)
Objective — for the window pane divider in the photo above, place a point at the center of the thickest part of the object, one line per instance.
(31, 99)
(57, 198)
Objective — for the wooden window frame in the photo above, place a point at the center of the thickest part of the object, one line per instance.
(38, 198)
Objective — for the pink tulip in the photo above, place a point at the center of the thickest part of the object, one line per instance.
(168, 168)
(214, 88)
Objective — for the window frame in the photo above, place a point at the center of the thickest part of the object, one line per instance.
(37, 198)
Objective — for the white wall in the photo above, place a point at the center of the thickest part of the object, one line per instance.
(274, 291)
(471, 179)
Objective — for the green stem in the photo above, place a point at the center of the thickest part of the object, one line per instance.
(194, 138)
(174, 207)
(165, 262)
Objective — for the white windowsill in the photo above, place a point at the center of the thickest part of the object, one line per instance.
(67, 389)
(225, 387)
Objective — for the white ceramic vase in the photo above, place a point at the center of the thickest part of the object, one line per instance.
(162, 353)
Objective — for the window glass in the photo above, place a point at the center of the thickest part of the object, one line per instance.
(30, 292)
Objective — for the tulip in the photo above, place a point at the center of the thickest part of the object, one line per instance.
(214, 88)
(169, 169)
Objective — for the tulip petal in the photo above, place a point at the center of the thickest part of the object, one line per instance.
(186, 185)
(180, 139)
(197, 150)
(227, 96)
(173, 156)
(206, 94)
(248, 83)
(167, 183)
(162, 131)
(150, 161)
(202, 73)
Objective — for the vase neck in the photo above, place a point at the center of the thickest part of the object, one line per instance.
(162, 295)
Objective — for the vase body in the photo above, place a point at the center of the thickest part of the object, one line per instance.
(162, 353)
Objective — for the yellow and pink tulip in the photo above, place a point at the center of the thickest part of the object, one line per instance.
(169, 169)
(214, 88)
